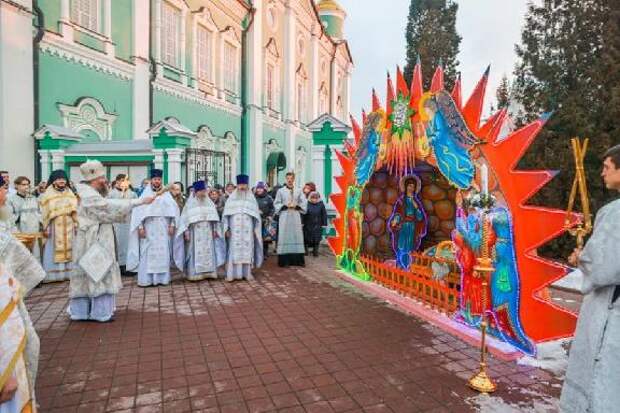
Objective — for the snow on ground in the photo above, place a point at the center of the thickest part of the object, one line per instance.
(552, 356)
(485, 403)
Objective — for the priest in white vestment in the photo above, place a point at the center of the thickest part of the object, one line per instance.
(152, 235)
(200, 230)
(121, 190)
(20, 272)
(290, 204)
(241, 223)
(592, 382)
(25, 207)
(93, 297)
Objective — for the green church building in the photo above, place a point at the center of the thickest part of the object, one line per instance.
(201, 89)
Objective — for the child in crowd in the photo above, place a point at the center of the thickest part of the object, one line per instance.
(314, 221)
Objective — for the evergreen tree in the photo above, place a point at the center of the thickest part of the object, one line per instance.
(568, 60)
(502, 94)
(431, 35)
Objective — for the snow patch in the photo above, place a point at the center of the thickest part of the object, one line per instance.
(551, 356)
(491, 404)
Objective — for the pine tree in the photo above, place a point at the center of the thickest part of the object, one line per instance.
(502, 94)
(565, 66)
(431, 35)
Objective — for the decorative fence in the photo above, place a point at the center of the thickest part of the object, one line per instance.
(419, 282)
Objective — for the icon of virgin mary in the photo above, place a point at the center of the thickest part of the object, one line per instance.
(408, 222)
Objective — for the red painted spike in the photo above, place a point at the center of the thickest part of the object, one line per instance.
(529, 182)
(376, 105)
(342, 182)
(538, 226)
(339, 202)
(551, 322)
(335, 244)
(401, 84)
(390, 96)
(491, 128)
(509, 151)
(437, 83)
(473, 108)
(364, 117)
(350, 146)
(417, 88)
(457, 94)
(357, 130)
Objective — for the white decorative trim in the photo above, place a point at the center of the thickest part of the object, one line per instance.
(88, 114)
(183, 92)
(338, 125)
(275, 123)
(71, 52)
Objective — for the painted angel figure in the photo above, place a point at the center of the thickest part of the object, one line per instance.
(408, 223)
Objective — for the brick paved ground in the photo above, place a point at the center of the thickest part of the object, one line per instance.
(293, 341)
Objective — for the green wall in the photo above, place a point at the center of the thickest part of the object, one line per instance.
(51, 11)
(65, 82)
(122, 28)
(193, 115)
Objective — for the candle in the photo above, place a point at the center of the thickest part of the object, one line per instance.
(484, 179)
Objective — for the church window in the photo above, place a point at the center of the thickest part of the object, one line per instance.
(86, 14)
(205, 55)
(230, 68)
(171, 35)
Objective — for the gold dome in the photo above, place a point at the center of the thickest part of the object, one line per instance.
(329, 5)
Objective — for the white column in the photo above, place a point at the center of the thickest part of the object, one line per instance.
(107, 27)
(314, 78)
(183, 64)
(290, 134)
(318, 174)
(255, 91)
(45, 164)
(17, 153)
(58, 159)
(142, 76)
(347, 97)
(157, 40)
(336, 169)
(158, 161)
(175, 157)
(66, 28)
(333, 89)
(288, 110)
(194, 52)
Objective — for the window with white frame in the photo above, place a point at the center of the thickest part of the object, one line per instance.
(230, 67)
(204, 52)
(271, 85)
(86, 13)
(170, 34)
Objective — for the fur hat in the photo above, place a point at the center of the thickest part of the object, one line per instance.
(92, 170)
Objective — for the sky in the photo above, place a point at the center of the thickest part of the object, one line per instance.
(376, 34)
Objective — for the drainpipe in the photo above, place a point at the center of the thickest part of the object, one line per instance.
(39, 25)
(245, 132)
(152, 65)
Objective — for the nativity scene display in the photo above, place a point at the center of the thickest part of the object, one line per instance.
(429, 190)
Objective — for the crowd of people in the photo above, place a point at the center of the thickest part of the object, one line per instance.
(95, 230)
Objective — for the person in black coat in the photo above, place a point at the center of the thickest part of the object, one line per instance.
(265, 204)
(315, 219)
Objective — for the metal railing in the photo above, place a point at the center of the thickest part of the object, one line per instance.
(419, 282)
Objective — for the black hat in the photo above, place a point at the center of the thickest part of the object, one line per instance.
(1, 181)
(157, 173)
(56, 175)
(243, 179)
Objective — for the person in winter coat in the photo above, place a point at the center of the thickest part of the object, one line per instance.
(314, 221)
(265, 204)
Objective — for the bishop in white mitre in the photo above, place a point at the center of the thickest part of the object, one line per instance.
(201, 233)
(96, 277)
(242, 226)
(152, 235)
